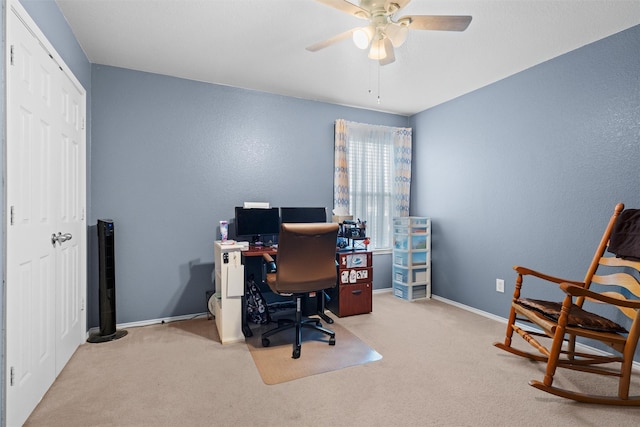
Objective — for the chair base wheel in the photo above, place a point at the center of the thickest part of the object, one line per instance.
(332, 341)
(296, 353)
(265, 342)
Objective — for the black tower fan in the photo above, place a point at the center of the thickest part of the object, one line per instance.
(107, 284)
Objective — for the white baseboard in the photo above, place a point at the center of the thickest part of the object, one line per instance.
(177, 318)
(583, 347)
(471, 309)
(150, 322)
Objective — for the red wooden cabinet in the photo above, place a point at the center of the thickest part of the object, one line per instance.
(353, 292)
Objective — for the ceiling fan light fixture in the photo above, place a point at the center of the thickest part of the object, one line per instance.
(384, 32)
(362, 37)
(377, 50)
(397, 33)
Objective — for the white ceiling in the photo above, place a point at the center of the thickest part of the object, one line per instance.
(260, 44)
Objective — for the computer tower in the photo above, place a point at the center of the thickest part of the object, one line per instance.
(106, 284)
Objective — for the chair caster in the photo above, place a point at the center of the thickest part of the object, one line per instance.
(332, 341)
(296, 353)
(265, 342)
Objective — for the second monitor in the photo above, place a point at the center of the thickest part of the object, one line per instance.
(303, 214)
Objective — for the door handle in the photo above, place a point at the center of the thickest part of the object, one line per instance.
(60, 238)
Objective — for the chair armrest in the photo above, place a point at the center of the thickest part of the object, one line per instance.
(271, 264)
(577, 291)
(528, 272)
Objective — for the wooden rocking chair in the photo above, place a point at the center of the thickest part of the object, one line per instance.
(563, 322)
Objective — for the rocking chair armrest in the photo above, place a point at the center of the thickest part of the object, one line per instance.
(577, 291)
(528, 272)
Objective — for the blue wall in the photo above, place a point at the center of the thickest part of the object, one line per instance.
(527, 171)
(172, 157)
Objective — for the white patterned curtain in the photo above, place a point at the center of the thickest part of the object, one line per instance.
(372, 175)
(402, 170)
(341, 169)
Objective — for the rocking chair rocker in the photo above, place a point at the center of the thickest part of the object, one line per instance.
(563, 322)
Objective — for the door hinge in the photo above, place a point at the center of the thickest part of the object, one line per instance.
(11, 55)
(11, 216)
(11, 376)
(82, 305)
(82, 124)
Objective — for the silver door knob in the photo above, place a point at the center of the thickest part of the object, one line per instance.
(60, 238)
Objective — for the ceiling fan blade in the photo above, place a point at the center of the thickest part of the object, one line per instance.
(437, 22)
(388, 48)
(347, 7)
(335, 39)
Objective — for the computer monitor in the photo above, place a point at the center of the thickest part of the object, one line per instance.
(257, 222)
(303, 214)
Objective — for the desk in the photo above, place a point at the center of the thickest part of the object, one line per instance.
(259, 251)
(229, 306)
(255, 251)
(229, 299)
(229, 286)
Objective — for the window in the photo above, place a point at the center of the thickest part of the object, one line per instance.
(372, 176)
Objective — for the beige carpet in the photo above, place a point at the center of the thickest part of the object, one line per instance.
(276, 365)
(439, 369)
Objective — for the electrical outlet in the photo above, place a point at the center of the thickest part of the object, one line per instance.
(499, 285)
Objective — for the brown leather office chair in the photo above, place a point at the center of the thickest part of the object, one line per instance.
(306, 263)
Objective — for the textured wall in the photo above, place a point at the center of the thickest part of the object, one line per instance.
(172, 157)
(527, 170)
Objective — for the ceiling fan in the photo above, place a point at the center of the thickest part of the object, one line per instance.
(384, 31)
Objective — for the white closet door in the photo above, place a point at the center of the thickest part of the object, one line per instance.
(45, 198)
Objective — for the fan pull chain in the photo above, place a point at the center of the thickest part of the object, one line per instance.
(370, 79)
(378, 83)
(370, 90)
